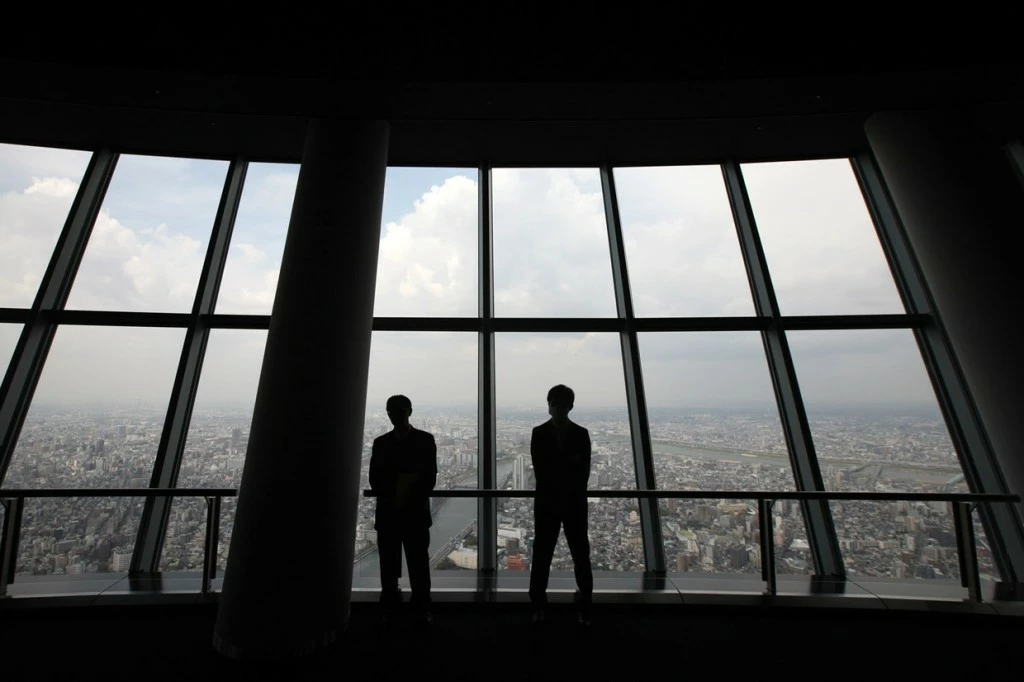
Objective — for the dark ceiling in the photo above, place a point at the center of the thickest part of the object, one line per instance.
(550, 61)
(470, 83)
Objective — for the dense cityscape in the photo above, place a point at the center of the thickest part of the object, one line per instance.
(693, 450)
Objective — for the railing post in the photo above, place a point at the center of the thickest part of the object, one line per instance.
(9, 542)
(210, 550)
(966, 549)
(764, 517)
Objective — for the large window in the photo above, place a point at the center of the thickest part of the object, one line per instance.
(725, 328)
(437, 372)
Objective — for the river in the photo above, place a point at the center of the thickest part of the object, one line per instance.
(449, 521)
(456, 512)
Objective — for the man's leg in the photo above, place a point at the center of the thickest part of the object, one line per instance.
(417, 556)
(547, 522)
(579, 546)
(389, 550)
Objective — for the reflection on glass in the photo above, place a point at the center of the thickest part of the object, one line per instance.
(218, 435)
(257, 240)
(681, 246)
(37, 187)
(819, 241)
(8, 341)
(551, 255)
(427, 265)
(876, 427)
(95, 422)
(715, 426)
(437, 372)
(527, 366)
(150, 237)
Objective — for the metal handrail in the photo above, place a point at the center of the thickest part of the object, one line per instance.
(13, 500)
(963, 507)
(739, 495)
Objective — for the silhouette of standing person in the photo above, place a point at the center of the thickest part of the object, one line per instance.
(403, 472)
(560, 451)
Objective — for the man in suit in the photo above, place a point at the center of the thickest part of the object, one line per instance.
(560, 451)
(403, 472)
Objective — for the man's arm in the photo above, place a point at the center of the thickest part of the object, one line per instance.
(375, 466)
(429, 478)
(537, 457)
(585, 459)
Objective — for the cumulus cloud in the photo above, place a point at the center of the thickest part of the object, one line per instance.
(31, 218)
(427, 263)
(551, 258)
(63, 188)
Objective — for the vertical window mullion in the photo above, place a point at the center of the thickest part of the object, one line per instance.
(156, 511)
(821, 531)
(643, 458)
(487, 515)
(26, 364)
(974, 451)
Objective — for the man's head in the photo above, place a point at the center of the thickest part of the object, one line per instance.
(399, 409)
(560, 401)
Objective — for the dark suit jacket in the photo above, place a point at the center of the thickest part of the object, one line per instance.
(409, 463)
(561, 469)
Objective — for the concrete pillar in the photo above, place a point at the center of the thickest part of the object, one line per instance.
(962, 207)
(288, 581)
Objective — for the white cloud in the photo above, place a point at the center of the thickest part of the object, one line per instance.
(30, 223)
(427, 259)
(551, 258)
(53, 187)
(139, 270)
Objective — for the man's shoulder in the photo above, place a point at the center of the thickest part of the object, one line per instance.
(579, 428)
(423, 435)
(382, 438)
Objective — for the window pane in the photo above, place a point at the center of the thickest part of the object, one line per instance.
(681, 246)
(819, 241)
(218, 434)
(551, 254)
(877, 427)
(428, 260)
(9, 334)
(95, 422)
(715, 426)
(437, 372)
(257, 240)
(37, 187)
(527, 366)
(150, 238)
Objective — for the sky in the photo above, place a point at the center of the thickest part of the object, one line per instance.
(551, 259)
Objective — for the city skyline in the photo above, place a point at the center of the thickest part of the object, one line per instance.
(691, 452)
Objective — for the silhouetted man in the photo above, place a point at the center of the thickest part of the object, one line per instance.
(403, 472)
(560, 450)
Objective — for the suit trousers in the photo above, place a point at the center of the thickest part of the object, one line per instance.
(416, 541)
(549, 518)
